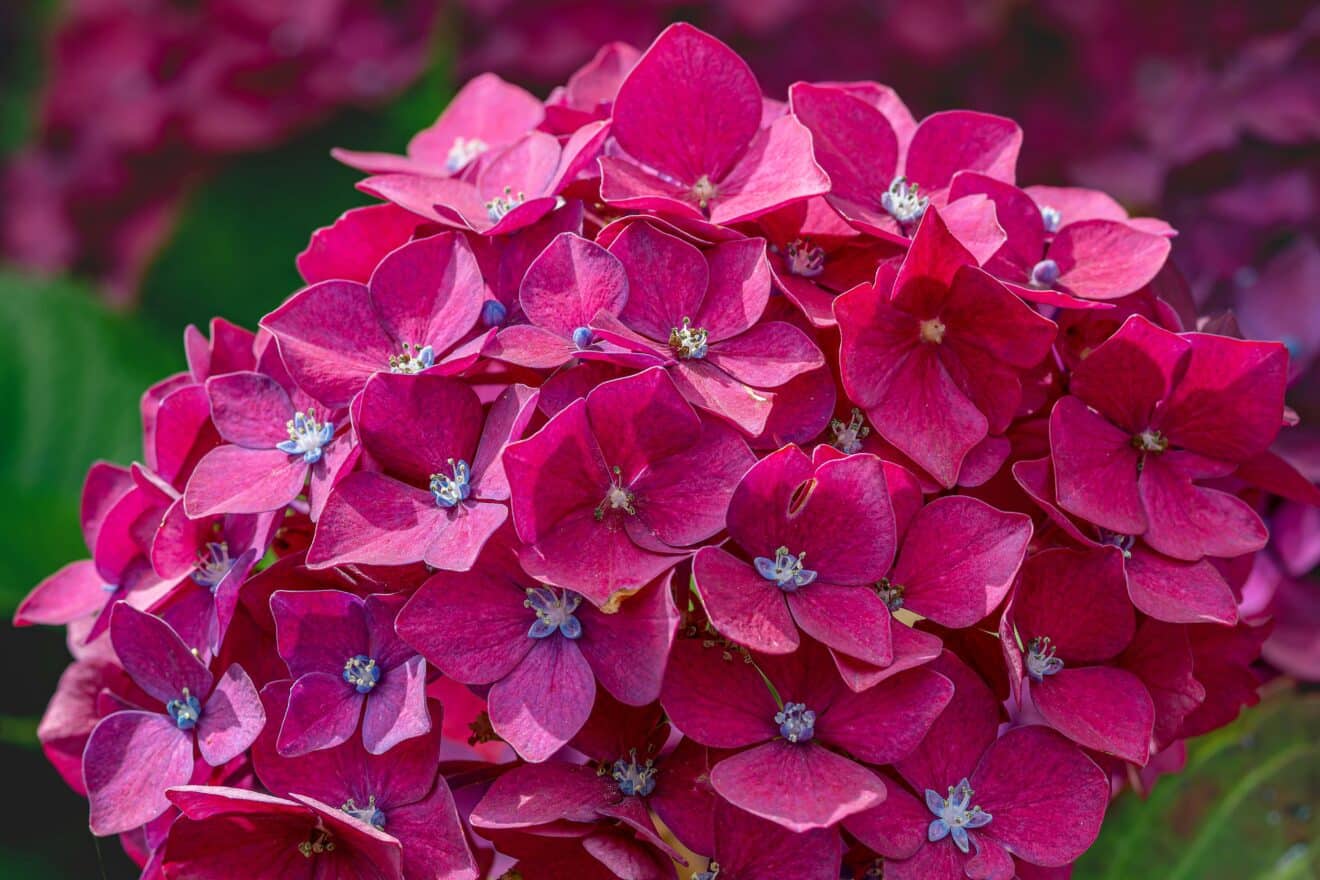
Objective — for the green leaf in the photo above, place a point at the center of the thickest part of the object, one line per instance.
(72, 375)
(1245, 807)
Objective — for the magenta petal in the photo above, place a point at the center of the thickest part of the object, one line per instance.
(1179, 592)
(851, 619)
(738, 291)
(1046, 606)
(330, 340)
(768, 355)
(428, 292)
(1227, 404)
(572, 280)
(628, 649)
(895, 828)
(462, 533)
(131, 759)
(799, 786)
(415, 425)
(664, 115)
(978, 550)
(317, 630)
(437, 622)
(667, 279)
(742, 605)
(75, 591)
(1161, 656)
(747, 846)
(506, 423)
(231, 718)
(1031, 773)
(962, 732)
(682, 499)
(323, 712)
(435, 840)
(929, 863)
(249, 409)
(530, 346)
(396, 707)
(1095, 469)
(883, 724)
(957, 140)
(853, 141)
(556, 472)
(698, 681)
(155, 657)
(1189, 521)
(352, 246)
(232, 479)
(1101, 708)
(1104, 259)
(715, 391)
(545, 700)
(1150, 358)
(777, 169)
(539, 794)
(374, 520)
(598, 560)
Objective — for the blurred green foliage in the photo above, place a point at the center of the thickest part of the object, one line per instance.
(1247, 806)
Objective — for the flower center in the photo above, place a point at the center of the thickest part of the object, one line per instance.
(803, 259)
(891, 594)
(634, 779)
(712, 871)
(932, 331)
(848, 438)
(1050, 218)
(213, 563)
(785, 570)
(451, 491)
(362, 673)
(498, 207)
(1122, 542)
(902, 201)
(703, 191)
(413, 360)
(493, 313)
(1045, 273)
(797, 723)
(1150, 441)
(1041, 660)
(582, 338)
(318, 842)
(616, 497)
(688, 342)
(955, 814)
(463, 151)
(553, 612)
(368, 814)
(185, 711)
(307, 436)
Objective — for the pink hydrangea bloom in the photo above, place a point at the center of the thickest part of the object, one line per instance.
(706, 496)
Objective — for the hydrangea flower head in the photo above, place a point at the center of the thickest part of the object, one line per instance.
(664, 475)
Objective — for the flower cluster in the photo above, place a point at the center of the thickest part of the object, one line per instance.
(666, 475)
(145, 98)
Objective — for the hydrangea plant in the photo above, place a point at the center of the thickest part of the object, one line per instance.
(667, 480)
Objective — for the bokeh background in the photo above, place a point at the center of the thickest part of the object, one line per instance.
(163, 161)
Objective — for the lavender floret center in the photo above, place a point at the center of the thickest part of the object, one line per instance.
(362, 673)
(307, 436)
(450, 491)
(786, 570)
(186, 710)
(369, 814)
(955, 814)
(554, 613)
(635, 779)
(1041, 660)
(797, 723)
